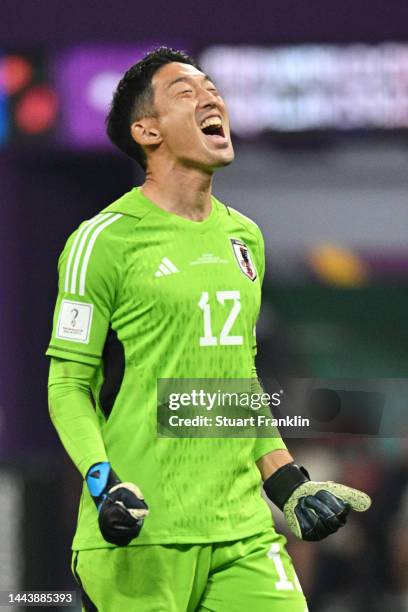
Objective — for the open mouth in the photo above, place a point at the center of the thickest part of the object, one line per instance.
(212, 127)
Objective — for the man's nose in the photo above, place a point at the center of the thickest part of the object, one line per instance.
(207, 99)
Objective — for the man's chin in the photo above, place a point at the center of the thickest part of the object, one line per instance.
(223, 163)
(212, 162)
(224, 158)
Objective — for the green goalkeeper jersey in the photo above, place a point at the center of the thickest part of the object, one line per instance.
(146, 294)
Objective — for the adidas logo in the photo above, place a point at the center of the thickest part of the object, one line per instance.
(166, 267)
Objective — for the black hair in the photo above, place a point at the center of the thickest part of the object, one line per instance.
(134, 99)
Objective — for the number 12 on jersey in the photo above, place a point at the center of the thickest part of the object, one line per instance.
(224, 338)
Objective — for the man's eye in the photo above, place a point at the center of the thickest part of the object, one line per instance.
(186, 91)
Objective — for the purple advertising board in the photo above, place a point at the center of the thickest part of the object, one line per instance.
(85, 77)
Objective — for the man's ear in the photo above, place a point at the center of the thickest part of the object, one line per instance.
(145, 132)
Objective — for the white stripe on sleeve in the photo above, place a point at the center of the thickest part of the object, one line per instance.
(72, 251)
(90, 227)
(82, 278)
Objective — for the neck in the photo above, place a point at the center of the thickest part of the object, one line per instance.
(181, 191)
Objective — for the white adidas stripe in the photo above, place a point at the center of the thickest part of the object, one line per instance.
(96, 221)
(169, 264)
(82, 278)
(72, 251)
(163, 269)
(166, 267)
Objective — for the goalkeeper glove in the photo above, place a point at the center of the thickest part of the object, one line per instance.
(312, 510)
(121, 505)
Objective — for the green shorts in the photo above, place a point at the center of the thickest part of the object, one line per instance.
(254, 574)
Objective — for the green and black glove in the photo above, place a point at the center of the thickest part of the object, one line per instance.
(121, 505)
(312, 510)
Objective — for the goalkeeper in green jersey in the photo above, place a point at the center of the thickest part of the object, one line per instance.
(165, 283)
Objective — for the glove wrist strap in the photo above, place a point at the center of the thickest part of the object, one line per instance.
(280, 486)
(100, 478)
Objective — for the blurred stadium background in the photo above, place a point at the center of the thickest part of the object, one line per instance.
(318, 96)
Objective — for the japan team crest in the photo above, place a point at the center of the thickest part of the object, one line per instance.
(243, 258)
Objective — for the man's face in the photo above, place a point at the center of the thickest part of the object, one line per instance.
(192, 116)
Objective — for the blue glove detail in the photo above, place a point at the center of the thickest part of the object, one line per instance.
(120, 505)
(97, 478)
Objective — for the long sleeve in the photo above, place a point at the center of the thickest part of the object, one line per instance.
(88, 280)
(262, 445)
(72, 412)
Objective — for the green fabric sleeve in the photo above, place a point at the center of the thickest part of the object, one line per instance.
(72, 413)
(88, 276)
(263, 446)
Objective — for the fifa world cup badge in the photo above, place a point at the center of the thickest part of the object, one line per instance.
(244, 258)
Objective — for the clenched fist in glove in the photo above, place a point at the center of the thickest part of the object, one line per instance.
(121, 505)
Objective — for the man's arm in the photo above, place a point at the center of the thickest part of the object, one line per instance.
(89, 270)
(72, 412)
(313, 510)
(121, 506)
